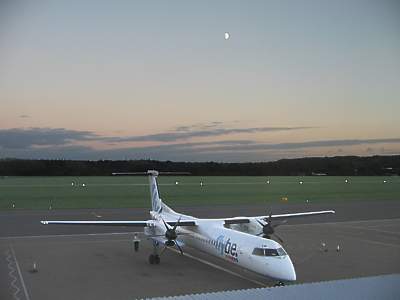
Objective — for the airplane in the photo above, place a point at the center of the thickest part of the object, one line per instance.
(243, 241)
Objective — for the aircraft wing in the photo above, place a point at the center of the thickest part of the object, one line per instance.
(241, 220)
(118, 223)
(302, 214)
(103, 223)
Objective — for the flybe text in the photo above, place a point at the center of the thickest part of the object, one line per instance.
(226, 248)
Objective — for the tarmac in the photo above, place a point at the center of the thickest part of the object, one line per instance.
(78, 262)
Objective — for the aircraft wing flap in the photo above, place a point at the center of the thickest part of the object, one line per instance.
(236, 221)
(182, 223)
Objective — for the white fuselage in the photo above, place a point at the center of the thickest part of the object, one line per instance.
(233, 246)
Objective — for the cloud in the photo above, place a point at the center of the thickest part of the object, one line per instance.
(17, 138)
(228, 151)
(64, 143)
(302, 145)
(189, 132)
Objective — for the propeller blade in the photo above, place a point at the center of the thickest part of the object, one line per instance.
(279, 223)
(179, 247)
(279, 238)
(177, 223)
(165, 223)
(163, 250)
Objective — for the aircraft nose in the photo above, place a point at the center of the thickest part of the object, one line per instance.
(283, 269)
(290, 271)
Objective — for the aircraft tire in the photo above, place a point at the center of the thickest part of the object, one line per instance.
(152, 259)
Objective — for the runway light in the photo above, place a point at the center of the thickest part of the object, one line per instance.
(83, 184)
(384, 181)
(337, 248)
(176, 182)
(227, 35)
(346, 181)
(307, 201)
(201, 183)
(72, 184)
(301, 182)
(267, 181)
(13, 205)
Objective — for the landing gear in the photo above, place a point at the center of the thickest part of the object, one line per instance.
(154, 259)
(279, 283)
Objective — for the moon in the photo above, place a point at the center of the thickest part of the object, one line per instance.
(227, 35)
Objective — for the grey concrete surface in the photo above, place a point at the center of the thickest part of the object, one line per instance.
(76, 262)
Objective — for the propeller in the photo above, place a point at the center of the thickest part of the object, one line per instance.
(171, 236)
(268, 229)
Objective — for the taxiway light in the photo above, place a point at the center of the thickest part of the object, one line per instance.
(34, 267)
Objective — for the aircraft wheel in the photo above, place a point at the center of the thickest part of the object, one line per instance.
(157, 259)
(152, 259)
(280, 283)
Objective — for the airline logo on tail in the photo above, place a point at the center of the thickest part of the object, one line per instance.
(155, 200)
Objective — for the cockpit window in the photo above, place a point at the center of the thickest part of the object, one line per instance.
(269, 252)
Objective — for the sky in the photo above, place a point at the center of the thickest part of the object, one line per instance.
(158, 80)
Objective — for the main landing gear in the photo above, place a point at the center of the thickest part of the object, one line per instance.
(154, 259)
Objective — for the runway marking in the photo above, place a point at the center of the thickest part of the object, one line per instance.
(370, 241)
(343, 222)
(11, 272)
(371, 229)
(218, 267)
(12, 260)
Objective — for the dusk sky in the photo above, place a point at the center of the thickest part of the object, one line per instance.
(157, 79)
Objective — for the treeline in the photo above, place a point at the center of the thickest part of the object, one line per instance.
(340, 165)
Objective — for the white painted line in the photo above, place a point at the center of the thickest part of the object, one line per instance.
(218, 267)
(370, 241)
(19, 273)
(344, 222)
(371, 229)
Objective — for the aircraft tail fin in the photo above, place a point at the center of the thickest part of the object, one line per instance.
(156, 203)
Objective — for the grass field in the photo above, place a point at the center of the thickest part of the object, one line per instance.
(115, 192)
